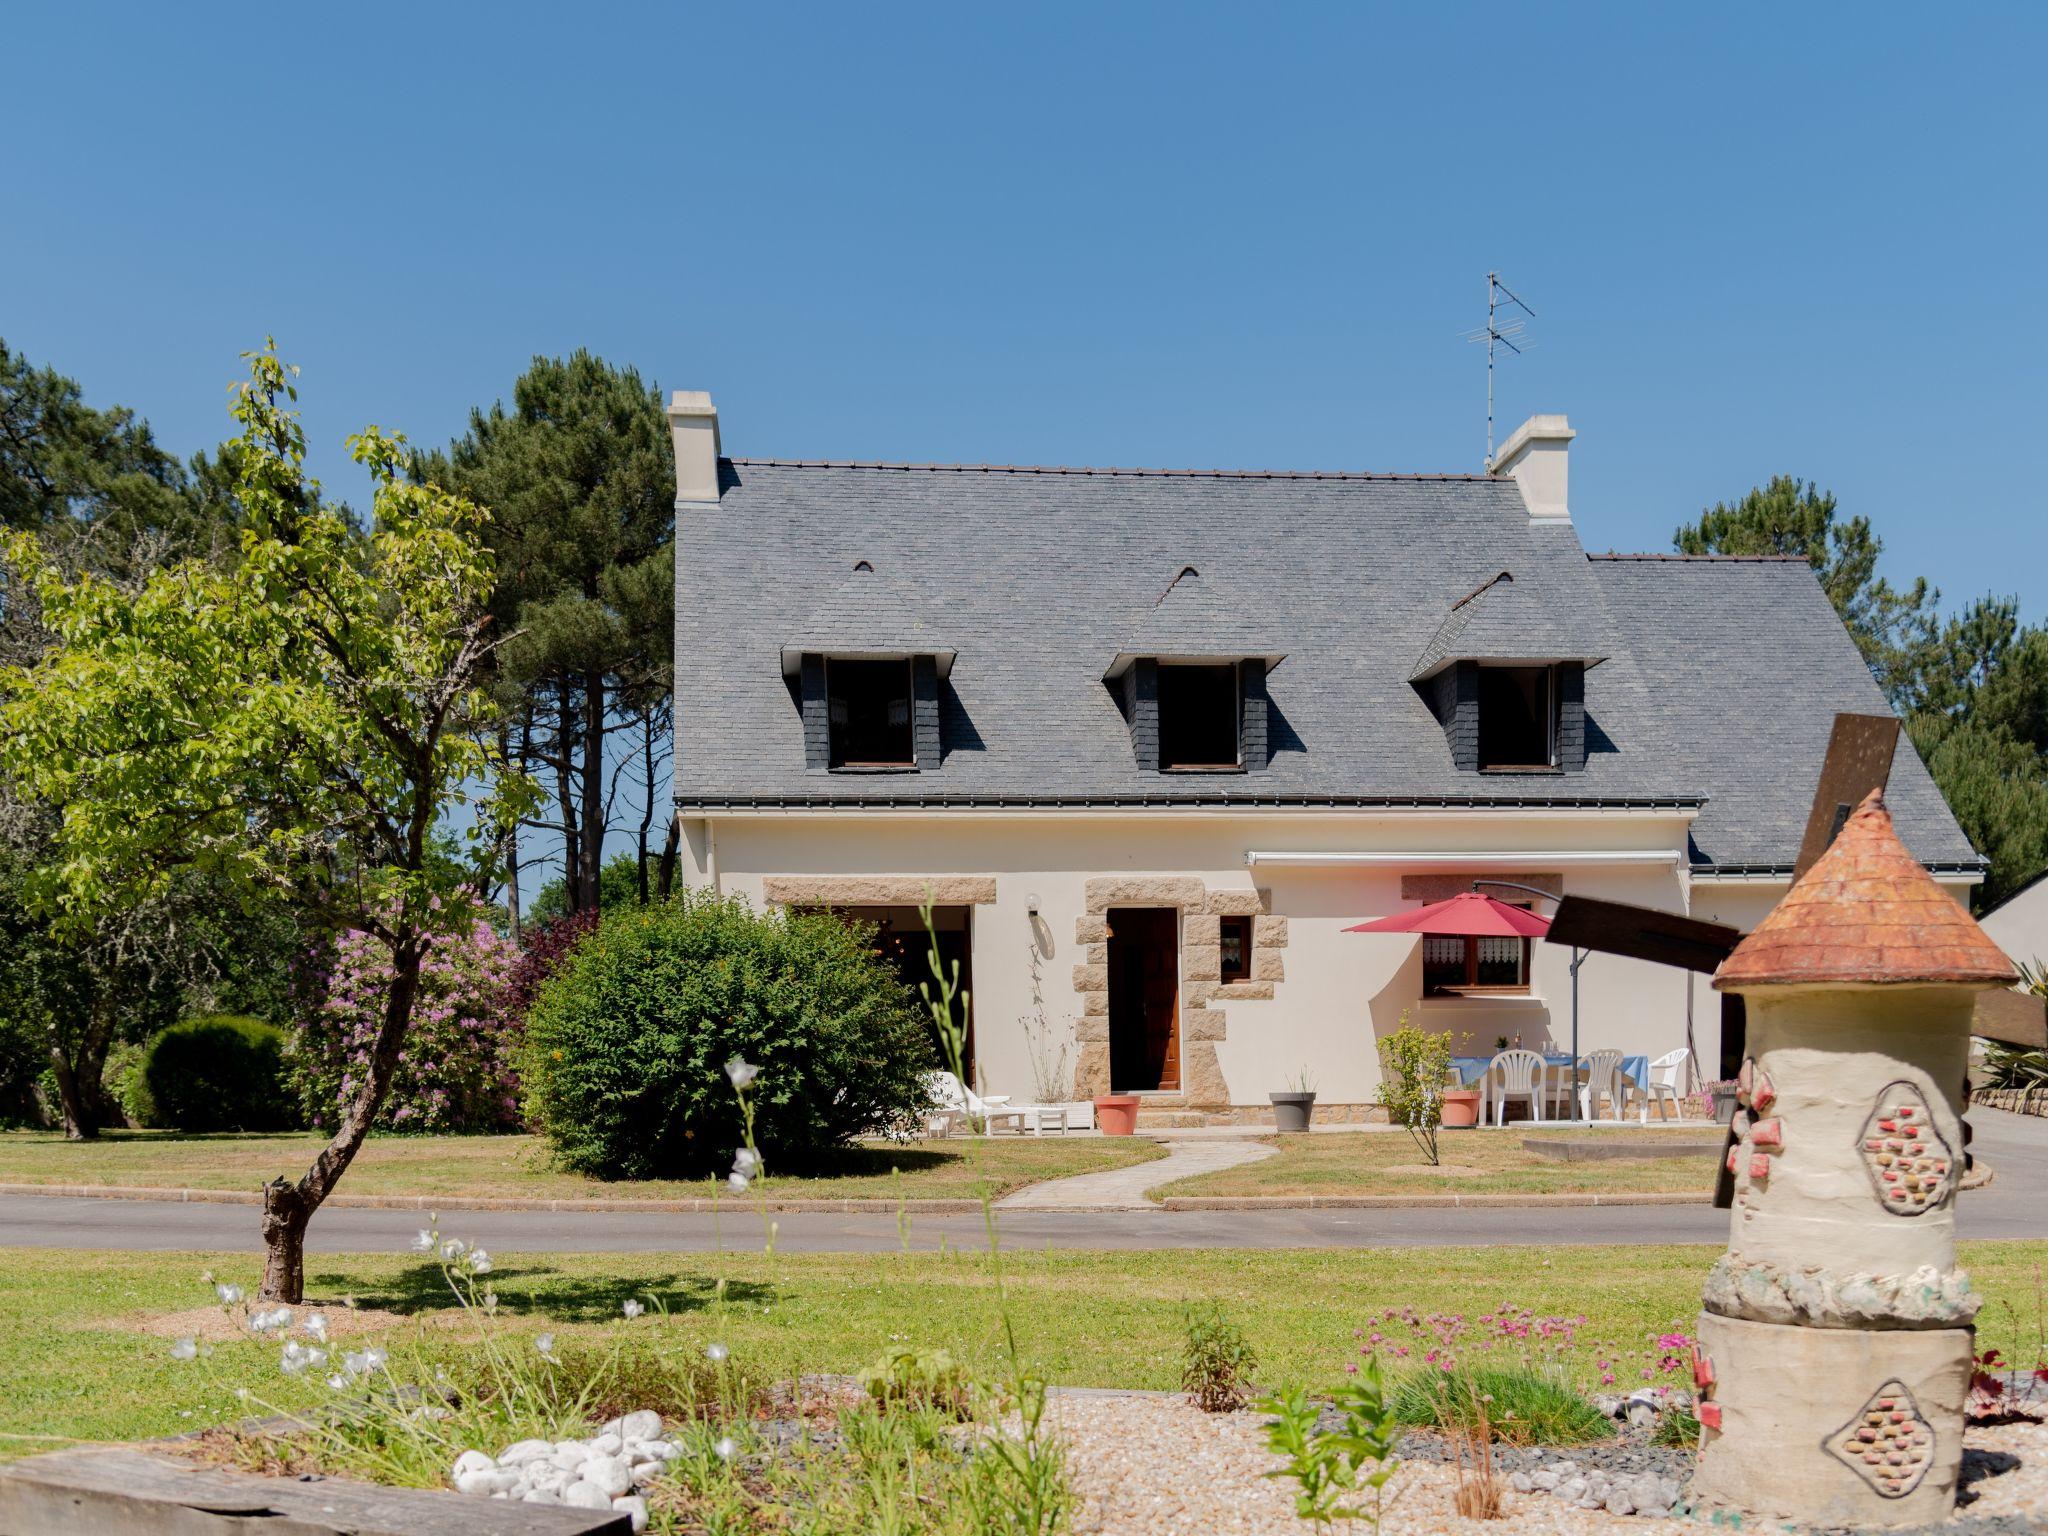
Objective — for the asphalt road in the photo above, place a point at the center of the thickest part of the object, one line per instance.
(2014, 1206)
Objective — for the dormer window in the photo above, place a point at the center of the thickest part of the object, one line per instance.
(869, 709)
(1201, 714)
(1518, 719)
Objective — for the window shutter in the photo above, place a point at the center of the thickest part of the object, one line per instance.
(1141, 708)
(817, 722)
(1252, 733)
(924, 692)
(1571, 716)
(1457, 692)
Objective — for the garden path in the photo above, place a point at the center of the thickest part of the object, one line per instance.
(1123, 1189)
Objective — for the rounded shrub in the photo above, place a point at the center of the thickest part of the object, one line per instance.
(218, 1073)
(626, 1044)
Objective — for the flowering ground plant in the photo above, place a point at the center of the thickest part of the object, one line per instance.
(455, 1072)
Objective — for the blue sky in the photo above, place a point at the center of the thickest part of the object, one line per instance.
(1759, 239)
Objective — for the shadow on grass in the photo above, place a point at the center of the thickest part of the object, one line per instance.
(538, 1290)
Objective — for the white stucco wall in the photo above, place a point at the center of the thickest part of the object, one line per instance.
(1340, 990)
(2020, 926)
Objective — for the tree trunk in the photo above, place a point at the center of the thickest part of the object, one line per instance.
(670, 850)
(565, 797)
(289, 1208)
(647, 807)
(592, 838)
(80, 1091)
(79, 1124)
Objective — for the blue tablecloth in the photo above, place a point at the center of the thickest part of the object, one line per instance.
(1471, 1068)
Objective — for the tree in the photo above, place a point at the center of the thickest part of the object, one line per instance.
(1786, 517)
(65, 466)
(580, 479)
(300, 721)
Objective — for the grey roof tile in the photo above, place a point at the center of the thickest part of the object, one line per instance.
(1508, 620)
(1720, 681)
(871, 612)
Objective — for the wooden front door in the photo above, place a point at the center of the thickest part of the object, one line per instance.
(1144, 999)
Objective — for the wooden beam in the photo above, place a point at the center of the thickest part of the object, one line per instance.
(89, 1493)
(1642, 933)
(2015, 1018)
(1859, 760)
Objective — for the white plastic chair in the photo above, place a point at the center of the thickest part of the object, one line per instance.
(1516, 1075)
(959, 1104)
(1602, 1075)
(1667, 1080)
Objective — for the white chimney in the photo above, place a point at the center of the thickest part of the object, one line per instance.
(693, 423)
(1537, 458)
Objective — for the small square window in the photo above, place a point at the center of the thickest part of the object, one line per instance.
(1237, 948)
(868, 704)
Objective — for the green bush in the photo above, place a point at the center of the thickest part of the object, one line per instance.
(624, 1059)
(218, 1073)
(123, 1078)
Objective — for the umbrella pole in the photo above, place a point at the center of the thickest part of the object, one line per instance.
(1578, 959)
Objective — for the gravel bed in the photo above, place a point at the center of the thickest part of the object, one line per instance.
(1146, 1465)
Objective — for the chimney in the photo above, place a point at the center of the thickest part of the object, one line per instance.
(693, 423)
(1536, 457)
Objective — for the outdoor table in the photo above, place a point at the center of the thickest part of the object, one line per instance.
(1472, 1069)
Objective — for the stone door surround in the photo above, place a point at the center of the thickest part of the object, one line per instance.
(1202, 1022)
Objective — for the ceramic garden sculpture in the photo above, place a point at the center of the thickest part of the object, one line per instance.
(1835, 1346)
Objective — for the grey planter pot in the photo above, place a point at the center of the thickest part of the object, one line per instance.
(1724, 1106)
(1292, 1110)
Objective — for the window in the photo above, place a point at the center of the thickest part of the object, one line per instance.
(869, 707)
(1453, 965)
(1237, 948)
(1517, 718)
(1199, 712)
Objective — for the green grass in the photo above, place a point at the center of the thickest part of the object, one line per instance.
(75, 1360)
(1475, 1162)
(517, 1166)
(1521, 1406)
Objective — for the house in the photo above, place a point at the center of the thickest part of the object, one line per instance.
(2019, 924)
(1151, 739)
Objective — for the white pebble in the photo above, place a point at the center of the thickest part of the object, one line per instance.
(570, 1454)
(645, 1472)
(633, 1507)
(587, 1496)
(525, 1450)
(644, 1425)
(472, 1461)
(541, 1496)
(609, 1474)
(606, 1444)
(612, 1427)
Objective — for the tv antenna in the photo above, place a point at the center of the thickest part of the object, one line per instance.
(1509, 333)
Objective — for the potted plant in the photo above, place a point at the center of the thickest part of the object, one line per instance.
(1722, 1092)
(1116, 1114)
(1460, 1104)
(1293, 1105)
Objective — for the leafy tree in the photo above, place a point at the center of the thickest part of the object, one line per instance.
(1787, 517)
(64, 464)
(297, 722)
(617, 887)
(580, 479)
(1998, 789)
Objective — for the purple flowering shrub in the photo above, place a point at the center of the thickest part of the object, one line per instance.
(455, 1070)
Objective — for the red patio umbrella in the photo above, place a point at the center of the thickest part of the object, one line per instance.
(1467, 914)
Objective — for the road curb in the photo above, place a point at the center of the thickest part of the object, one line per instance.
(1419, 1202)
(740, 1205)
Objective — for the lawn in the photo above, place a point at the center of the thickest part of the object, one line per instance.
(1475, 1162)
(75, 1359)
(517, 1166)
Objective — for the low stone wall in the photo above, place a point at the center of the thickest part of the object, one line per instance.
(2021, 1101)
(1325, 1114)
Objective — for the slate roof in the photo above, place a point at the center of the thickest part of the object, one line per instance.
(1720, 685)
(1199, 615)
(1506, 620)
(871, 613)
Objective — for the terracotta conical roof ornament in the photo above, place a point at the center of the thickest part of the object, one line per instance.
(1867, 912)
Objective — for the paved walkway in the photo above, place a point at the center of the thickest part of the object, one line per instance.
(1123, 1189)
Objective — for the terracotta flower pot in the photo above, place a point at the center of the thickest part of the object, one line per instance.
(1461, 1107)
(1116, 1114)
